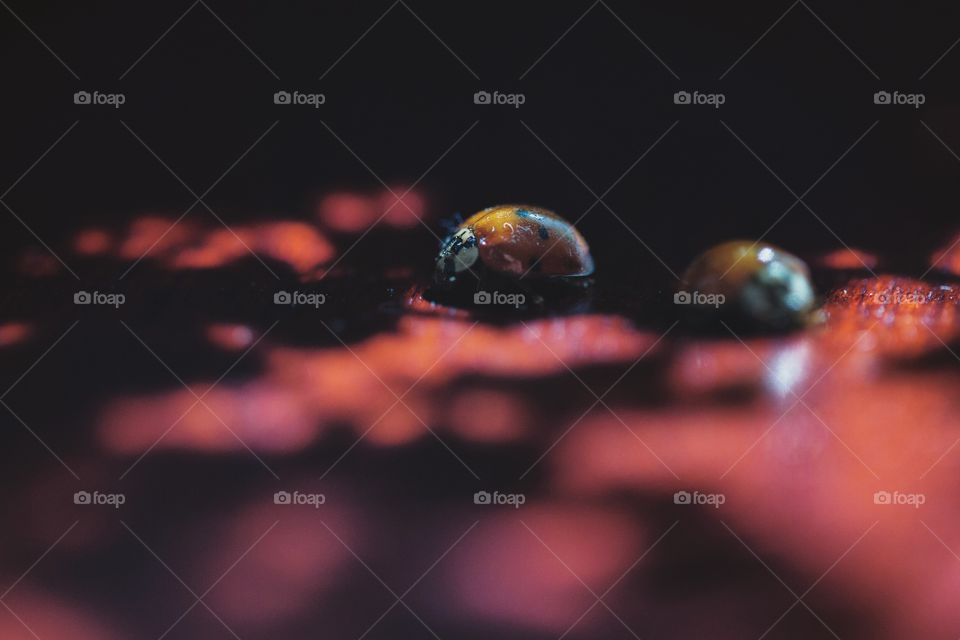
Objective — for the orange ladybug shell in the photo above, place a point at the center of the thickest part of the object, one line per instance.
(526, 241)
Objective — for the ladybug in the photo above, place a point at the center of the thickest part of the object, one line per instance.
(754, 283)
(514, 242)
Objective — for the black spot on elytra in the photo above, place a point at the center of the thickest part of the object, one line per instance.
(544, 234)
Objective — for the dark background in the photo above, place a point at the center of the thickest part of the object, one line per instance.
(399, 99)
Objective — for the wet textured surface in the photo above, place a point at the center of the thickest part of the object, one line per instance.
(398, 411)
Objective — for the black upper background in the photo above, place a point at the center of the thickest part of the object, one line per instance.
(399, 99)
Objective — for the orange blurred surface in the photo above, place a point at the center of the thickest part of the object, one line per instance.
(598, 420)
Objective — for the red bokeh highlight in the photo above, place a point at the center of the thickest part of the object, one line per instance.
(184, 244)
(43, 616)
(351, 212)
(292, 567)
(299, 245)
(93, 242)
(508, 574)
(849, 259)
(12, 333)
(304, 392)
(231, 337)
